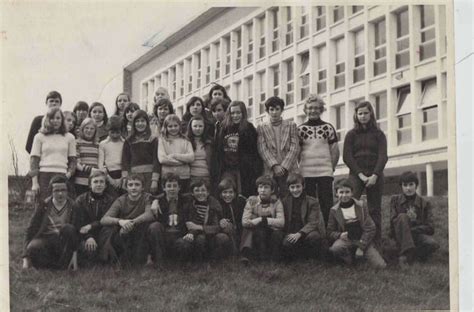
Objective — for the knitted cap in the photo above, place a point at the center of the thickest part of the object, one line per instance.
(115, 123)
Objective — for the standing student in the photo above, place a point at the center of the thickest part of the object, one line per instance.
(365, 153)
(216, 92)
(98, 113)
(87, 147)
(175, 152)
(194, 108)
(237, 154)
(218, 108)
(127, 118)
(110, 153)
(319, 154)
(121, 102)
(161, 109)
(139, 152)
(81, 109)
(53, 152)
(51, 237)
(53, 100)
(278, 144)
(161, 93)
(70, 119)
(199, 134)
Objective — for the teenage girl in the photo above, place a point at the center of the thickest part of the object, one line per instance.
(81, 109)
(53, 152)
(175, 152)
(195, 107)
(139, 152)
(365, 153)
(87, 147)
(162, 108)
(70, 120)
(121, 102)
(98, 113)
(127, 118)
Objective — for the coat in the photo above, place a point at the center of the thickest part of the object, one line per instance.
(251, 211)
(311, 215)
(424, 214)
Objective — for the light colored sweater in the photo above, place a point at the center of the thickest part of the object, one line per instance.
(110, 154)
(53, 151)
(178, 165)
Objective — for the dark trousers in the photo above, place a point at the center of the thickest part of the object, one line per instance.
(263, 242)
(321, 188)
(161, 242)
(204, 246)
(410, 243)
(308, 247)
(374, 201)
(282, 187)
(55, 250)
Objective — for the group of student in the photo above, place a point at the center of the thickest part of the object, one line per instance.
(211, 185)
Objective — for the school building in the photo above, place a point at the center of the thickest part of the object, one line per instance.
(395, 56)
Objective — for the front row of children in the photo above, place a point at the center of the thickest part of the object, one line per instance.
(138, 229)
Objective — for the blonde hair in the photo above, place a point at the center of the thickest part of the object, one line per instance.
(169, 119)
(85, 122)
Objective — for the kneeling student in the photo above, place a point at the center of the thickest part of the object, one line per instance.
(51, 237)
(304, 223)
(411, 222)
(350, 228)
(263, 220)
(204, 236)
(125, 234)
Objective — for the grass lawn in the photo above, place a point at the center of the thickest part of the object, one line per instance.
(227, 286)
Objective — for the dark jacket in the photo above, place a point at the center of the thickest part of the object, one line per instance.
(236, 209)
(34, 128)
(424, 214)
(311, 215)
(164, 213)
(336, 224)
(91, 211)
(211, 222)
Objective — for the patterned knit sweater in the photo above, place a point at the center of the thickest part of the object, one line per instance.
(88, 157)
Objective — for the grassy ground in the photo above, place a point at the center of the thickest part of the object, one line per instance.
(227, 286)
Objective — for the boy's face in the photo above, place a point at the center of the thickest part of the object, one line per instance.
(275, 112)
(219, 112)
(98, 184)
(114, 134)
(313, 110)
(296, 189)
(228, 195)
(53, 103)
(134, 188)
(59, 192)
(162, 112)
(200, 193)
(344, 194)
(171, 188)
(264, 191)
(409, 189)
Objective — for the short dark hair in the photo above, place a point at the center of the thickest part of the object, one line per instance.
(169, 177)
(217, 101)
(274, 101)
(407, 177)
(344, 183)
(54, 95)
(58, 178)
(82, 106)
(294, 178)
(266, 180)
(225, 184)
(198, 183)
(136, 176)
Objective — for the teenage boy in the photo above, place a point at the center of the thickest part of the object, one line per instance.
(110, 152)
(319, 154)
(278, 144)
(203, 233)
(350, 228)
(92, 206)
(51, 237)
(125, 235)
(305, 231)
(411, 220)
(53, 100)
(263, 220)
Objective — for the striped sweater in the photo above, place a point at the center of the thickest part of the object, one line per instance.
(87, 158)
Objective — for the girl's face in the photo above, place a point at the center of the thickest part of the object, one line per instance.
(235, 114)
(162, 112)
(217, 94)
(173, 128)
(70, 122)
(363, 115)
(409, 188)
(196, 108)
(314, 110)
(197, 127)
(89, 132)
(81, 114)
(160, 94)
(228, 195)
(140, 124)
(275, 112)
(122, 101)
(56, 121)
(129, 114)
(97, 113)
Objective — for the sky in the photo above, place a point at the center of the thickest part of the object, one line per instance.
(78, 48)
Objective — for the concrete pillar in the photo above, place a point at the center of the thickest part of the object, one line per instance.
(418, 189)
(429, 180)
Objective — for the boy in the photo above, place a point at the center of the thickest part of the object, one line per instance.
(350, 227)
(304, 225)
(263, 220)
(411, 221)
(51, 237)
(110, 152)
(218, 108)
(278, 144)
(125, 234)
(202, 215)
(92, 206)
(53, 100)
(319, 154)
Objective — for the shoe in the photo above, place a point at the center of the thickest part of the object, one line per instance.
(403, 262)
(245, 261)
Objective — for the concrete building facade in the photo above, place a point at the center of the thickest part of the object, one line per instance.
(394, 56)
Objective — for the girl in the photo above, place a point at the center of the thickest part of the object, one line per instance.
(87, 147)
(195, 107)
(98, 113)
(139, 152)
(121, 102)
(365, 153)
(127, 118)
(81, 109)
(110, 152)
(70, 119)
(201, 140)
(237, 154)
(53, 152)
(175, 152)
(162, 108)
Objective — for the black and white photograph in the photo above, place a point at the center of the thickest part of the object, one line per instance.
(210, 156)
